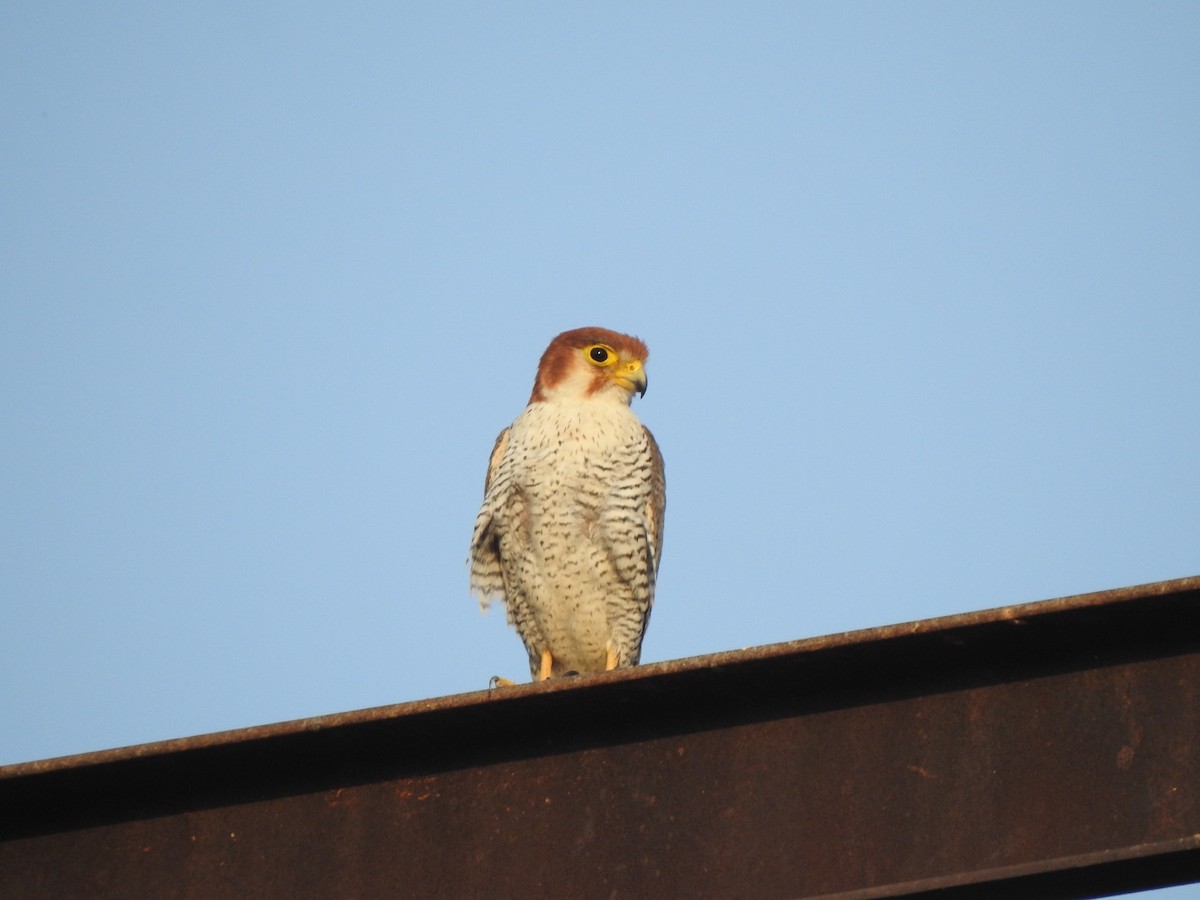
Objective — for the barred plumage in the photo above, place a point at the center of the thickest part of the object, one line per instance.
(570, 531)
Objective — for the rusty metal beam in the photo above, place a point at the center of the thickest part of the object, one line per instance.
(1050, 749)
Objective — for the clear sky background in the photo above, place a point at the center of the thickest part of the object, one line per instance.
(921, 284)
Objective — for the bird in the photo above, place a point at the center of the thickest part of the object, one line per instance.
(570, 531)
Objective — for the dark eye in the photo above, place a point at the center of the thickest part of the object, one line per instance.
(599, 354)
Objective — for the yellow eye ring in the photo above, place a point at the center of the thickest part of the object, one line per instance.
(601, 355)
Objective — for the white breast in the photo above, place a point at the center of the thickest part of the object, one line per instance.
(574, 483)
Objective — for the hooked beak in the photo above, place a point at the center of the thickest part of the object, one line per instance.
(632, 377)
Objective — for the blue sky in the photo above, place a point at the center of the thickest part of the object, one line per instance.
(921, 284)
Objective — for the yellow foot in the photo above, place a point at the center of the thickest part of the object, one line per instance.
(611, 662)
(544, 668)
(499, 681)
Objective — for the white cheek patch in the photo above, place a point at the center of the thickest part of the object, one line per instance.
(575, 386)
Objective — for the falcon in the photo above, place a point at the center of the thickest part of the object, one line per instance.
(570, 531)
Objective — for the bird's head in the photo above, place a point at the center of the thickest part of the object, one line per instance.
(591, 363)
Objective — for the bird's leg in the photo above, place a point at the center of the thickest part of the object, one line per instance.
(544, 668)
(611, 662)
(499, 681)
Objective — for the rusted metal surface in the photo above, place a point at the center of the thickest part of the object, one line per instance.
(1048, 749)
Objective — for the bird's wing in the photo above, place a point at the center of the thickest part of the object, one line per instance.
(656, 503)
(498, 449)
(487, 576)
